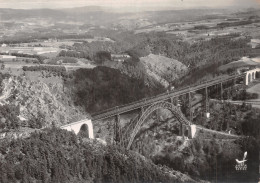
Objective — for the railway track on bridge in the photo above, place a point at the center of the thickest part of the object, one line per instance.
(164, 96)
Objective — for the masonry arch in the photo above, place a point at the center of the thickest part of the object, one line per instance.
(76, 127)
(159, 105)
(84, 131)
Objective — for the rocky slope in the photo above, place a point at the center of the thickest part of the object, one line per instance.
(163, 69)
(155, 70)
(38, 99)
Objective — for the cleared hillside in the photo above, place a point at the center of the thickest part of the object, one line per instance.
(163, 69)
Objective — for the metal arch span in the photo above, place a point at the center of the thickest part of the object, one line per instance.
(165, 105)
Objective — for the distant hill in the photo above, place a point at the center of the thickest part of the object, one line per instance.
(104, 16)
(18, 14)
(83, 9)
(94, 15)
(183, 15)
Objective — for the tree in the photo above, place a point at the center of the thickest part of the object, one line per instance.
(2, 66)
(102, 56)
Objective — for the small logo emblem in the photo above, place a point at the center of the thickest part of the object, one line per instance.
(241, 163)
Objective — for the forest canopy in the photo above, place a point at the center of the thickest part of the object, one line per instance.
(56, 155)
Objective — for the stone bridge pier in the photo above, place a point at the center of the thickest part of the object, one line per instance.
(188, 131)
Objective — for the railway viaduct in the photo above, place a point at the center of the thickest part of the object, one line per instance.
(251, 75)
(167, 100)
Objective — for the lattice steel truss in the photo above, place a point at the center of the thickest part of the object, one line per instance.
(164, 105)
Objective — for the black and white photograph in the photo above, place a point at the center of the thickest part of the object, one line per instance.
(129, 91)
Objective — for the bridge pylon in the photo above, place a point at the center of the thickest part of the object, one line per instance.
(190, 108)
(206, 100)
(221, 91)
(172, 100)
(142, 110)
(117, 130)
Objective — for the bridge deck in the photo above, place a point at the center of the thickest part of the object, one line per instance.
(164, 96)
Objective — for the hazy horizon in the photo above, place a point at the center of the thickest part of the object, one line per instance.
(129, 5)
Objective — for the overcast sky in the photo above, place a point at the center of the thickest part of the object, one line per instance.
(131, 4)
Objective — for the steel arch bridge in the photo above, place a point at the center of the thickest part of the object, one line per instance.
(127, 134)
(158, 105)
